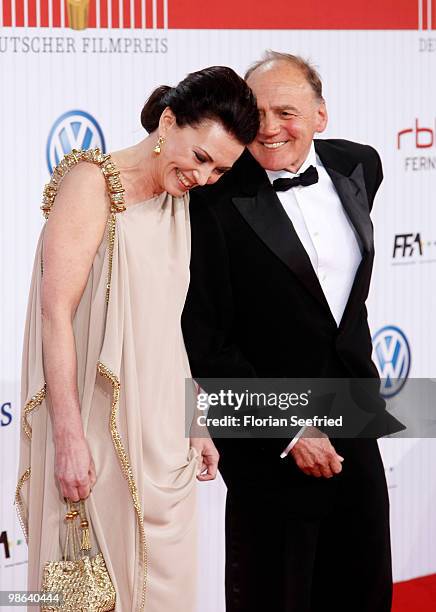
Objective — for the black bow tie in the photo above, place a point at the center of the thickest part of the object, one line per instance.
(308, 177)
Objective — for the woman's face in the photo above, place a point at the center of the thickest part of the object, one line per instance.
(193, 156)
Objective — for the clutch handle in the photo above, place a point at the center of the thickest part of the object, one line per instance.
(73, 543)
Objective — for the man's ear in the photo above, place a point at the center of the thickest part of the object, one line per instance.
(167, 121)
(322, 117)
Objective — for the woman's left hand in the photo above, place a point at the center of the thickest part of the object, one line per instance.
(209, 458)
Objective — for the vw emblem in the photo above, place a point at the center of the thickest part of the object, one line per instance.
(392, 356)
(73, 130)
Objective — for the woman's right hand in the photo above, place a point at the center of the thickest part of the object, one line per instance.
(74, 466)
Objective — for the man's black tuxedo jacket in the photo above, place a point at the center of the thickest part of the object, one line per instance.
(255, 307)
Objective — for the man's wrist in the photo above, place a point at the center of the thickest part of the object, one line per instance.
(293, 442)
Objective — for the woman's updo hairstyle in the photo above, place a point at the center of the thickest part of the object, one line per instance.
(215, 93)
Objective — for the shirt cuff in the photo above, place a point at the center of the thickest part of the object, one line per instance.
(293, 442)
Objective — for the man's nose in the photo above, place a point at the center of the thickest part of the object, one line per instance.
(269, 124)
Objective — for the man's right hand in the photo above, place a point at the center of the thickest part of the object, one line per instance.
(315, 455)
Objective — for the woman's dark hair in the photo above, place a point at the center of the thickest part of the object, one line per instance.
(215, 93)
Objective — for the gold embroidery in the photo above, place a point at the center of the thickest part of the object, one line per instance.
(95, 156)
(125, 465)
(35, 401)
(117, 199)
(111, 243)
(21, 511)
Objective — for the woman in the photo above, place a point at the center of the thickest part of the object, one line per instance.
(104, 361)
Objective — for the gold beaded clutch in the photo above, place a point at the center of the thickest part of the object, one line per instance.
(82, 581)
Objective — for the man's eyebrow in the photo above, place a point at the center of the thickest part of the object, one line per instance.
(285, 107)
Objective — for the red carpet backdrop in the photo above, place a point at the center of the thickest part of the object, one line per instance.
(74, 74)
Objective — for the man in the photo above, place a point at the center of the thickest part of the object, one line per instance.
(280, 273)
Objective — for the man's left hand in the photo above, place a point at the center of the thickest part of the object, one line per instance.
(315, 455)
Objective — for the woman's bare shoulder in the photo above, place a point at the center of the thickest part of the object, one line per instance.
(85, 179)
(81, 195)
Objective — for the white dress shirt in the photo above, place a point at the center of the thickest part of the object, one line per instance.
(327, 235)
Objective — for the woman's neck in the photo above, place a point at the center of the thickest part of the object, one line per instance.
(138, 166)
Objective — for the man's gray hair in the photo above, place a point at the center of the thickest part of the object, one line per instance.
(309, 71)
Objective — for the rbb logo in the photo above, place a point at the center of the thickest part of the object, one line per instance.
(73, 130)
(421, 137)
(392, 356)
(407, 245)
(5, 414)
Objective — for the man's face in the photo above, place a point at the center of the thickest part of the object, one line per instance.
(290, 115)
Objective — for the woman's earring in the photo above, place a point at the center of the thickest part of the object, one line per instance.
(158, 148)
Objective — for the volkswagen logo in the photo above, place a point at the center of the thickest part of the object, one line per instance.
(73, 130)
(392, 356)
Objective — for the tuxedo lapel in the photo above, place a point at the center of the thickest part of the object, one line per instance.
(266, 216)
(351, 190)
(352, 193)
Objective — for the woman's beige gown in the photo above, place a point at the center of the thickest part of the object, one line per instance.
(132, 366)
